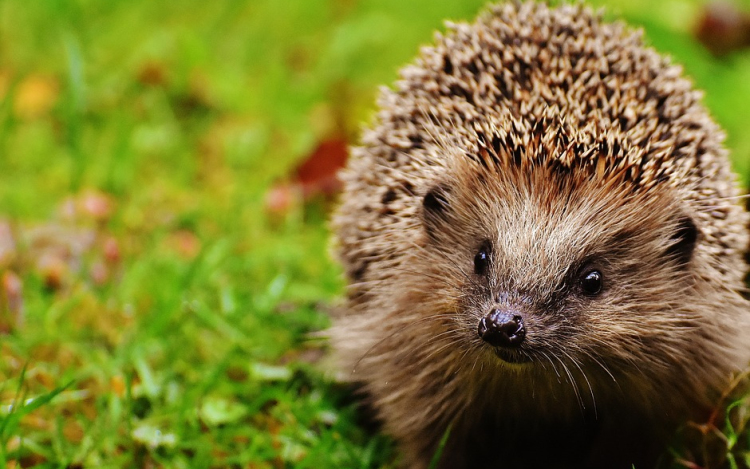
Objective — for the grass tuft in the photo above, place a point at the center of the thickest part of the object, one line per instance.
(153, 309)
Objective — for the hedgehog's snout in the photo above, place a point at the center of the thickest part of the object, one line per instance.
(502, 328)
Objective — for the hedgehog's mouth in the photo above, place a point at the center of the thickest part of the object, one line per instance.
(513, 357)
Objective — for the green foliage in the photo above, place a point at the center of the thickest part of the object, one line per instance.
(166, 312)
(441, 447)
(20, 407)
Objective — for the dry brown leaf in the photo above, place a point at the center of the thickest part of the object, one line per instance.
(723, 28)
(314, 177)
(111, 250)
(152, 73)
(317, 174)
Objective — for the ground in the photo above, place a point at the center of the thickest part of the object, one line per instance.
(164, 188)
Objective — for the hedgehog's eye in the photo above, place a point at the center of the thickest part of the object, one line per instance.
(482, 259)
(592, 282)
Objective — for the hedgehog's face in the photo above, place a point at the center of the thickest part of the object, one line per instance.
(550, 269)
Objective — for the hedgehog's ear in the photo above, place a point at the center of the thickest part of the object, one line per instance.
(684, 239)
(435, 207)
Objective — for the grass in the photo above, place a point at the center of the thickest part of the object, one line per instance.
(154, 311)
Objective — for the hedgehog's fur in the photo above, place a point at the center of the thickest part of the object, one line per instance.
(562, 141)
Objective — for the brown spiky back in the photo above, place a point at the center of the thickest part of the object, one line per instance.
(528, 85)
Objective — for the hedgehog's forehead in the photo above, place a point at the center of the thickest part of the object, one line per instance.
(556, 212)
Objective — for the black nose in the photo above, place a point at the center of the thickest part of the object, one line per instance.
(502, 329)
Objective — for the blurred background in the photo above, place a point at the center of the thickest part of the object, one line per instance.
(166, 171)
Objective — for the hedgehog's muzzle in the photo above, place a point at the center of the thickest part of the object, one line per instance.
(502, 327)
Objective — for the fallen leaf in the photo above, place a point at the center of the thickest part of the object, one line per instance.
(7, 244)
(723, 28)
(73, 431)
(152, 73)
(78, 243)
(99, 273)
(237, 374)
(12, 301)
(184, 243)
(117, 383)
(88, 205)
(96, 205)
(53, 269)
(196, 100)
(111, 250)
(281, 198)
(314, 177)
(35, 96)
(317, 174)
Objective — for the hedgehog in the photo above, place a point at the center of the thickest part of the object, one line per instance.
(543, 242)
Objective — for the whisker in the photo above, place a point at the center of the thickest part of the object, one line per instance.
(553, 365)
(573, 383)
(588, 383)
